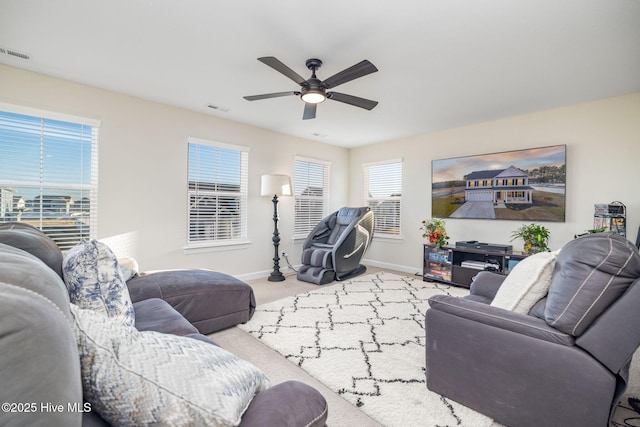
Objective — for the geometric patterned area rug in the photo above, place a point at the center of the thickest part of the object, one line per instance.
(364, 339)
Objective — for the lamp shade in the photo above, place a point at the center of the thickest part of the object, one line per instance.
(275, 185)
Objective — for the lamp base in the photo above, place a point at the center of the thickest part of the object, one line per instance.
(276, 277)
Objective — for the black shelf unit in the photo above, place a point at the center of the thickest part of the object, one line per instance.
(437, 264)
(458, 265)
(612, 217)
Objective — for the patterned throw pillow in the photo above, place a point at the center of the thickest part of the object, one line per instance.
(95, 282)
(135, 378)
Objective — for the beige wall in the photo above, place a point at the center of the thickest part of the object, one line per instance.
(143, 172)
(143, 158)
(603, 165)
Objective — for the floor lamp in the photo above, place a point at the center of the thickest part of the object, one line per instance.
(275, 185)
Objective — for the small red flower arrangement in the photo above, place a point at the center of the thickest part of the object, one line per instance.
(434, 230)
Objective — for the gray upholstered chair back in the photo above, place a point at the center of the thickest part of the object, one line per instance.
(571, 353)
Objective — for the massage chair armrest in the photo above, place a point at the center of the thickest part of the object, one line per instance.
(494, 317)
(486, 284)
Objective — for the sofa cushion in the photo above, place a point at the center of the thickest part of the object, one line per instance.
(38, 351)
(155, 314)
(527, 283)
(34, 241)
(591, 273)
(149, 378)
(288, 404)
(22, 269)
(94, 281)
(39, 362)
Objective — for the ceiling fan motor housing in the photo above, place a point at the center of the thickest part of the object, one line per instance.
(312, 90)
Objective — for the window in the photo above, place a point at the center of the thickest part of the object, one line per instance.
(311, 191)
(383, 193)
(49, 173)
(217, 193)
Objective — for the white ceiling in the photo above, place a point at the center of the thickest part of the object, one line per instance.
(442, 63)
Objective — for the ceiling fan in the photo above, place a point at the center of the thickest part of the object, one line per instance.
(314, 91)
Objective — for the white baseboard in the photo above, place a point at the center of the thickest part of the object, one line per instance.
(254, 275)
(265, 273)
(287, 270)
(389, 266)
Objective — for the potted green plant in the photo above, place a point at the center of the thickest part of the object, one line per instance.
(535, 236)
(435, 231)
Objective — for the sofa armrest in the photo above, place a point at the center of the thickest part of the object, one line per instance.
(486, 284)
(288, 404)
(143, 287)
(492, 360)
(499, 318)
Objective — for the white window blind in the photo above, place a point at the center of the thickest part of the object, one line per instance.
(311, 191)
(49, 174)
(217, 193)
(383, 194)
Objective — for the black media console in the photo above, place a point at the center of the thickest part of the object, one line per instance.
(458, 265)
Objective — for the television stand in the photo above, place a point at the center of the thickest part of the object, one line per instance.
(459, 265)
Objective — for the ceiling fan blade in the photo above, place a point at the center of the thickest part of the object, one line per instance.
(309, 111)
(275, 63)
(367, 104)
(360, 69)
(269, 95)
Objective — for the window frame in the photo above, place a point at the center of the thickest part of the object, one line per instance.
(396, 219)
(301, 231)
(199, 245)
(44, 185)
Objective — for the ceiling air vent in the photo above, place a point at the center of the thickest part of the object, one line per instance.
(12, 52)
(218, 107)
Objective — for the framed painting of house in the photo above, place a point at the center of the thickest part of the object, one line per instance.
(523, 185)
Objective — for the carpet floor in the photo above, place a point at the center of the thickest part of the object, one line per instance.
(364, 339)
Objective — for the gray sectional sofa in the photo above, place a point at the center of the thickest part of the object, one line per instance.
(40, 369)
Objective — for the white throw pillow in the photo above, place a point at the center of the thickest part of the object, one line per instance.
(134, 378)
(94, 281)
(527, 283)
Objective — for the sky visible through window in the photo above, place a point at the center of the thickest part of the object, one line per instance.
(35, 151)
(215, 165)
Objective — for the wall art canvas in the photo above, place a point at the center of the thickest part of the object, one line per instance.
(523, 185)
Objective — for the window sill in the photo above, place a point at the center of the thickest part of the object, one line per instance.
(216, 247)
(388, 238)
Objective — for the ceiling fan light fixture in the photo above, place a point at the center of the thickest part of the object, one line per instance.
(313, 97)
(313, 91)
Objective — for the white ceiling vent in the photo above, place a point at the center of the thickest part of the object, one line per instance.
(218, 107)
(12, 52)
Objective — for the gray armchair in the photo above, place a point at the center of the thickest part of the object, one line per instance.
(334, 248)
(565, 363)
